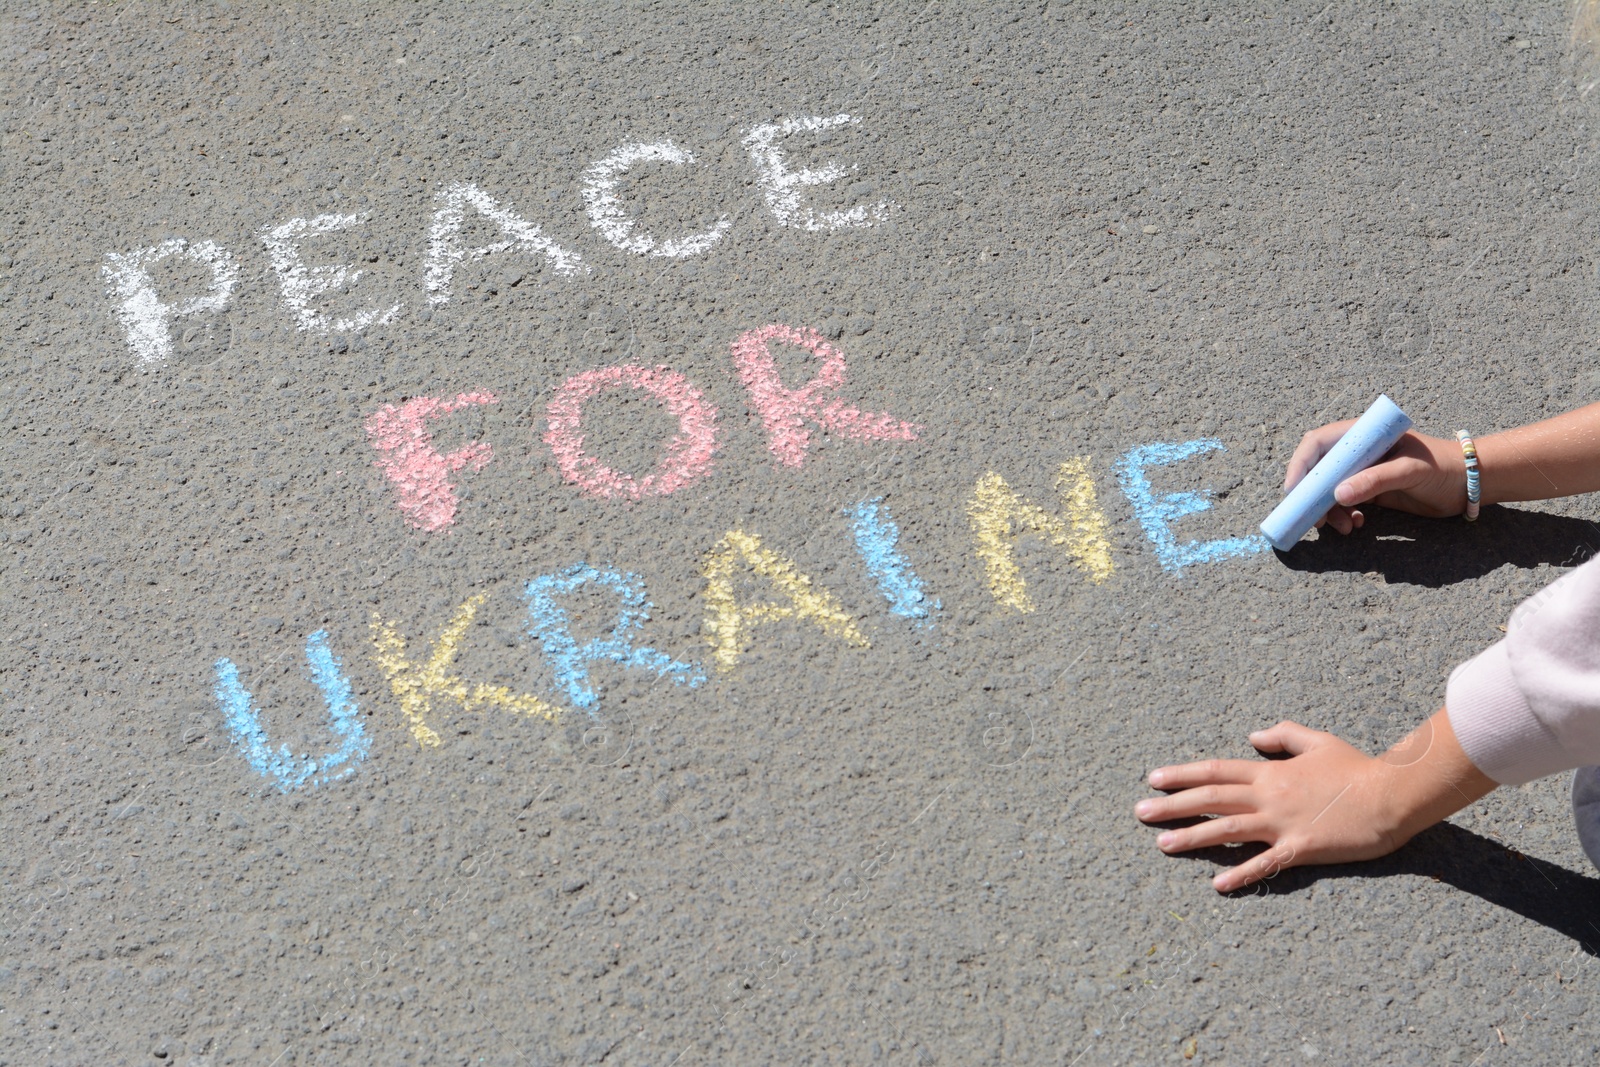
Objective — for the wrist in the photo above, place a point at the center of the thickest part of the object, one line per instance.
(1491, 464)
(1425, 778)
(1397, 808)
(1452, 461)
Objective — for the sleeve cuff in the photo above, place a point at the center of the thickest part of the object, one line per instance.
(1495, 725)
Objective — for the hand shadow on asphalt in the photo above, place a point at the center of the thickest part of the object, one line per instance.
(1434, 552)
(1543, 892)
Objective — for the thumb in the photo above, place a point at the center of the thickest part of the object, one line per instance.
(1288, 737)
(1376, 480)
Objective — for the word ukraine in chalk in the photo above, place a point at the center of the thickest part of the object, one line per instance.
(427, 500)
(147, 315)
(998, 517)
(287, 772)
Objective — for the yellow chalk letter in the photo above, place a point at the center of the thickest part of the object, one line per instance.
(416, 685)
(728, 623)
(1000, 517)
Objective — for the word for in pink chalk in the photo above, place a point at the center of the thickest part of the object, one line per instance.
(314, 291)
(421, 473)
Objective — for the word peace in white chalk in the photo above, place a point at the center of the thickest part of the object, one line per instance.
(147, 315)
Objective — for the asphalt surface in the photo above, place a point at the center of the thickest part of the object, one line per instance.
(1050, 235)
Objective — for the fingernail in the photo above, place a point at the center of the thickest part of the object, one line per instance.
(1344, 494)
(1157, 777)
(1166, 840)
(1142, 808)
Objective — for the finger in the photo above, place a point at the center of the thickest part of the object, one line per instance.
(1288, 737)
(1340, 519)
(1223, 830)
(1206, 772)
(1201, 800)
(1312, 447)
(1392, 475)
(1256, 869)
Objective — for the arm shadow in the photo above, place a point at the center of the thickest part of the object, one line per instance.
(1435, 552)
(1542, 892)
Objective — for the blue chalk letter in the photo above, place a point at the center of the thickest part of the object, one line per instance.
(1157, 514)
(877, 539)
(248, 736)
(548, 622)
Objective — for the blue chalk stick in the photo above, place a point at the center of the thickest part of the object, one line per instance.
(1361, 446)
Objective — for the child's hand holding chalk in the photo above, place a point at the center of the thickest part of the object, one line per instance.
(1378, 429)
(1428, 475)
(1329, 802)
(1422, 475)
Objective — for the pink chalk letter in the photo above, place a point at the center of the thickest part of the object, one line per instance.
(688, 454)
(406, 454)
(785, 411)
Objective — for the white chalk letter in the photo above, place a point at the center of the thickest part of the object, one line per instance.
(143, 313)
(301, 284)
(782, 186)
(444, 239)
(607, 215)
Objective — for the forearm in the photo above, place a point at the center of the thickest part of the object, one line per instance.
(1556, 457)
(1427, 777)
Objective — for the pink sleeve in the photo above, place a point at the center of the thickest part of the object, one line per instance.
(1530, 705)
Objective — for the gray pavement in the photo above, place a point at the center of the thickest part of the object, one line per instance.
(325, 328)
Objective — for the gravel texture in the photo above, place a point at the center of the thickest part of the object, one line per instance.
(1106, 226)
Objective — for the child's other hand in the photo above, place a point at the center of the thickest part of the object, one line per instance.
(1329, 803)
(1422, 475)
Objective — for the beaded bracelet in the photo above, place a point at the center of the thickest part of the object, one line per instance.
(1474, 487)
